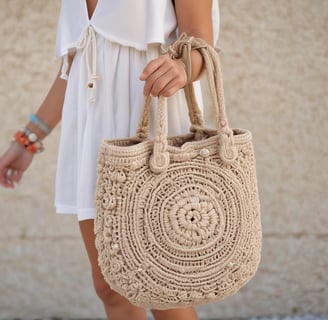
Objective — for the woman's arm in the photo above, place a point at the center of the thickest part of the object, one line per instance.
(164, 76)
(51, 108)
(17, 159)
(195, 19)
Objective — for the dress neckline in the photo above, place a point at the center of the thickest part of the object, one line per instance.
(90, 18)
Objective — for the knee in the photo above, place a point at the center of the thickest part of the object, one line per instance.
(105, 293)
(115, 304)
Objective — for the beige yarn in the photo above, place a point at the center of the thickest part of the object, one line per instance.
(178, 219)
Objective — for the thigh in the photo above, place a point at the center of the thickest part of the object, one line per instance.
(88, 236)
(103, 290)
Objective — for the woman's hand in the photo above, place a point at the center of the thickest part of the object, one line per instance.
(13, 164)
(164, 76)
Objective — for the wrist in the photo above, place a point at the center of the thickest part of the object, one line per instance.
(197, 63)
(185, 50)
(35, 129)
(39, 127)
(29, 140)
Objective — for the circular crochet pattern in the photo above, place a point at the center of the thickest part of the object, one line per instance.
(180, 238)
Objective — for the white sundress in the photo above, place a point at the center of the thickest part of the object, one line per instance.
(104, 94)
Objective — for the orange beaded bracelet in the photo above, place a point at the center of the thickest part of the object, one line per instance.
(29, 140)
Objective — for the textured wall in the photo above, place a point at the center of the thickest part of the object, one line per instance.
(274, 56)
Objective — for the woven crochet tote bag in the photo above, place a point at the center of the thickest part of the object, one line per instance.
(178, 219)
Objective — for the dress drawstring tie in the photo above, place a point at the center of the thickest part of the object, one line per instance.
(88, 44)
(64, 68)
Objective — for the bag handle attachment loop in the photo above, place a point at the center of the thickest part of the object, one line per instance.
(182, 49)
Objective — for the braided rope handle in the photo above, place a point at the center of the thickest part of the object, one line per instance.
(143, 129)
(182, 49)
(160, 158)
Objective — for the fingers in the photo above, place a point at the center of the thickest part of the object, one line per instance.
(16, 176)
(163, 77)
(5, 178)
(10, 177)
(10, 174)
(13, 164)
(151, 67)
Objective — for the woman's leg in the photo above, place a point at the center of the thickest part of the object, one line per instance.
(116, 306)
(175, 314)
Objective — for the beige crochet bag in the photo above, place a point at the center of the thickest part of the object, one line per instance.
(178, 219)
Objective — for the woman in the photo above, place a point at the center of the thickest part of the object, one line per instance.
(112, 55)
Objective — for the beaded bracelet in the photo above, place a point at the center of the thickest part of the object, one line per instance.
(40, 124)
(29, 140)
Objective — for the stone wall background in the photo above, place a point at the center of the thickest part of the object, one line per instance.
(275, 68)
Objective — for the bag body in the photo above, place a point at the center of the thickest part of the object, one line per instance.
(178, 219)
